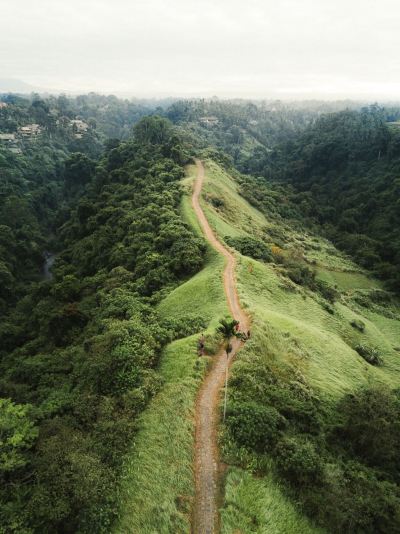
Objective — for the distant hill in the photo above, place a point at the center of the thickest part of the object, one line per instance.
(11, 85)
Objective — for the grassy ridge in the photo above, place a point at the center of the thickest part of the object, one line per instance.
(292, 327)
(325, 340)
(158, 487)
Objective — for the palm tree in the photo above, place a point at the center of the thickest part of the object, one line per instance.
(228, 330)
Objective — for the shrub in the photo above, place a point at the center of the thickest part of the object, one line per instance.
(358, 325)
(370, 354)
(301, 274)
(249, 246)
(217, 202)
(326, 290)
(298, 461)
(356, 501)
(254, 426)
(185, 326)
(328, 307)
(371, 426)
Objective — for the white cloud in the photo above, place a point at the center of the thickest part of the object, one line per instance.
(193, 47)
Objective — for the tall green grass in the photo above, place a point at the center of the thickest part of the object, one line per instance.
(257, 505)
(326, 341)
(292, 326)
(157, 490)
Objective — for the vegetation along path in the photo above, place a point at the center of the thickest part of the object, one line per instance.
(206, 461)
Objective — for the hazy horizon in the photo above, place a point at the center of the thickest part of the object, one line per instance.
(182, 49)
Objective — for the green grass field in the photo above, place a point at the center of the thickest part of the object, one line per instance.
(291, 326)
(158, 487)
(326, 341)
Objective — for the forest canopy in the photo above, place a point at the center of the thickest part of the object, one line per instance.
(79, 351)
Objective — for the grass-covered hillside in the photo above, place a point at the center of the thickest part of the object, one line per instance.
(157, 491)
(313, 413)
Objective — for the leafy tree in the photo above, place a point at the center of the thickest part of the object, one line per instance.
(17, 435)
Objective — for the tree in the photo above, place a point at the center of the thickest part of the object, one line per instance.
(79, 170)
(17, 434)
(228, 330)
(154, 130)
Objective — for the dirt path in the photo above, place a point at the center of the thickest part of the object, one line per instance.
(206, 460)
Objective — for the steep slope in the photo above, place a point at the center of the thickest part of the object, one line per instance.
(80, 354)
(303, 343)
(261, 287)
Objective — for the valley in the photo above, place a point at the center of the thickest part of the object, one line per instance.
(155, 239)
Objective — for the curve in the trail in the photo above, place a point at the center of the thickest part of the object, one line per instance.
(206, 452)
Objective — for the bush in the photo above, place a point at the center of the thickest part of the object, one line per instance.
(358, 325)
(371, 427)
(301, 274)
(249, 246)
(356, 501)
(217, 202)
(326, 291)
(185, 326)
(328, 307)
(304, 276)
(254, 426)
(298, 461)
(370, 354)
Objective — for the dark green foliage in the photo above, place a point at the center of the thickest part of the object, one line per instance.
(217, 202)
(79, 170)
(370, 354)
(249, 246)
(303, 275)
(298, 461)
(347, 165)
(241, 125)
(339, 461)
(154, 130)
(327, 292)
(357, 324)
(371, 427)
(254, 426)
(354, 500)
(187, 326)
(79, 352)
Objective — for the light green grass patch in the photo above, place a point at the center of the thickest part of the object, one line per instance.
(237, 217)
(347, 281)
(257, 505)
(327, 341)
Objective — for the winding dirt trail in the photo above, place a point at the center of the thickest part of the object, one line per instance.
(206, 452)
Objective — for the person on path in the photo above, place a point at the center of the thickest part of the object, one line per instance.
(201, 345)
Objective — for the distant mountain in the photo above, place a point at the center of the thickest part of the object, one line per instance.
(11, 85)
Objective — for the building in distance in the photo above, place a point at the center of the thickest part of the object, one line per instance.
(209, 121)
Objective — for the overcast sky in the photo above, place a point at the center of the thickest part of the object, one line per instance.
(246, 48)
